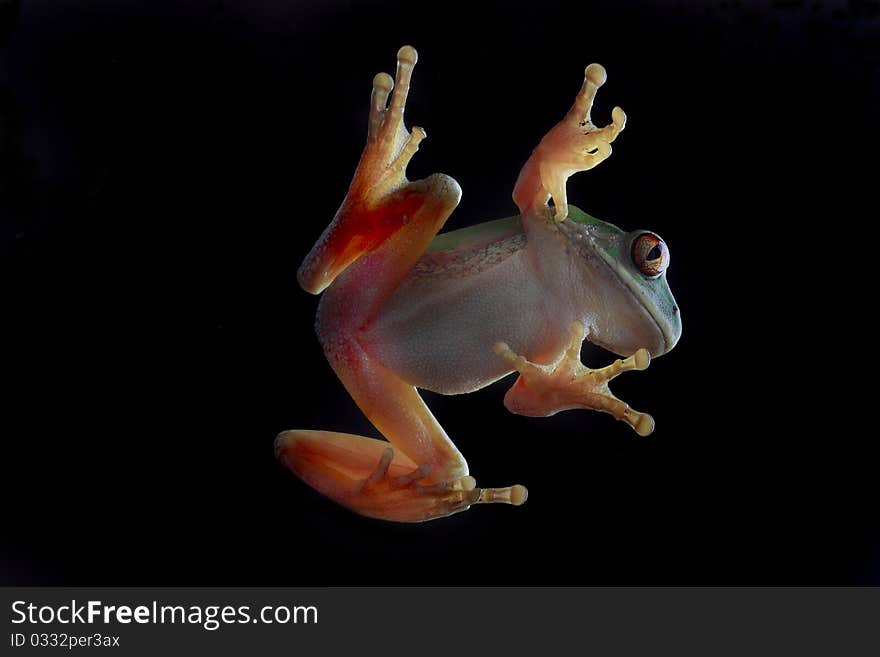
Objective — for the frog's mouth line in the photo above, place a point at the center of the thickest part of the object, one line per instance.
(660, 330)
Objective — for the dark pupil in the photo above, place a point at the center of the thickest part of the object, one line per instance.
(655, 253)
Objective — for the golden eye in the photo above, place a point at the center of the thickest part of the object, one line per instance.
(650, 255)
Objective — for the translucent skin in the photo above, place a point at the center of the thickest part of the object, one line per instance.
(512, 296)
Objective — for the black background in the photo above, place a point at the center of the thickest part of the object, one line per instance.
(166, 166)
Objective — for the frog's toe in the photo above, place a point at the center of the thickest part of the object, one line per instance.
(515, 495)
(386, 129)
(594, 77)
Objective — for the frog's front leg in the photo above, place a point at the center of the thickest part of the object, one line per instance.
(574, 144)
(380, 199)
(543, 390)
(382, 228)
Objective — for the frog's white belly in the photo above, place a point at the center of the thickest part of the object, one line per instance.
(438, 330)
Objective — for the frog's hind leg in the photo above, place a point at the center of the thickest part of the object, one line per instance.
(374, 479)
(361, 473)
(418, 474)
(370, 477)
(574, 144)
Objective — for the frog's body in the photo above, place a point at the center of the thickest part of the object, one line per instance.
(488, 275)
(421, 335)
(406, 309)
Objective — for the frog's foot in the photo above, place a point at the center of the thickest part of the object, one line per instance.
(543, 390)
(574, 144)
(373, 479)
(390, 147)
(380, 199)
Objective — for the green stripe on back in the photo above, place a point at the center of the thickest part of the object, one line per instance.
(489, 231)
(478, 234)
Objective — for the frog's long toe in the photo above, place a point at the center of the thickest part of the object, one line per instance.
(544, 390)
(515, 495)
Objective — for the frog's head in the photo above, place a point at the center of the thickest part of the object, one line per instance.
(632, 305)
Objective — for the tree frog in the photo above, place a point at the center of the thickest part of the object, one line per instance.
(405, 308)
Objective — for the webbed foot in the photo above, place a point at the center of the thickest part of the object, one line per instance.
(371, 478)
(543, 390)
(574, 144)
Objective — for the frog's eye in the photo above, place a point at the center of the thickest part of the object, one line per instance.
(650, 254)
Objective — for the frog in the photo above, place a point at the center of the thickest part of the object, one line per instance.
(404, 307)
